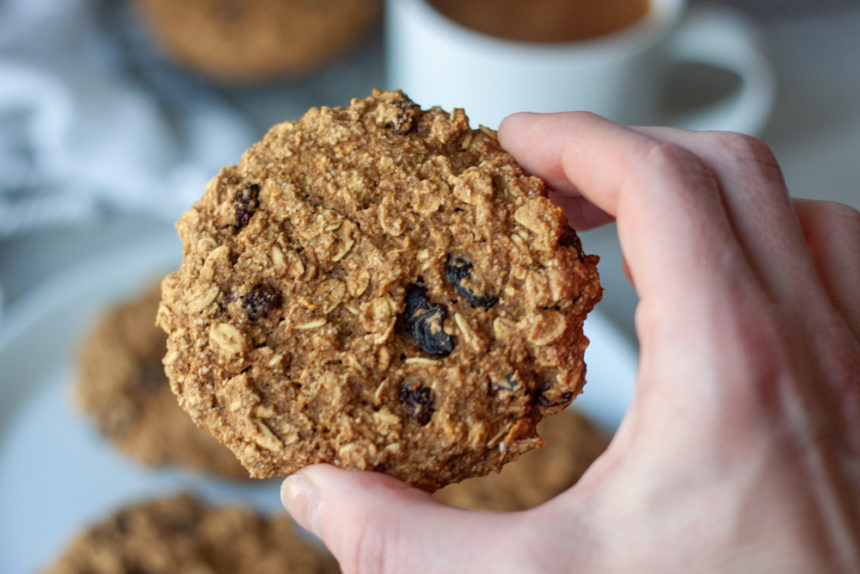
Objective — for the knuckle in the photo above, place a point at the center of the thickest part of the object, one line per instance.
(667, 154)
(826, 216)
(742, 148)
(840, 214)
(368, 552)
(676, 162)
(741, 145)
(537, 553)
(588, 116)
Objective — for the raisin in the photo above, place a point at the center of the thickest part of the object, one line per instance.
(112, 529)
(544, 401)
(423, 321)
(460, 274)
(245, 202)
(569, 238)
(418, 401)
(185, 524)
(507, 385)
(120, 523)
(259, 301)
(404, 121)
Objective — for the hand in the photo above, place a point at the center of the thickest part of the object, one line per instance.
(741, 450)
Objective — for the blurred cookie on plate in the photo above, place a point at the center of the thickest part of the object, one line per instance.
(252, 41)
(573, 443)
(122, 386)
(179, 533)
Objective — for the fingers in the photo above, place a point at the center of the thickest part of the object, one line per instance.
(747, 177)
(808, 269)
(674, 231)
(537, 154)
(832, 231)
(757, 204)
(376, 524)
(581, 214)
(718, 258)
(729, 294)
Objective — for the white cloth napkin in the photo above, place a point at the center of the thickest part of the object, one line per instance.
(92, 117)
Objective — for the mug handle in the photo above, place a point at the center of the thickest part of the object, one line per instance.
(724, 39)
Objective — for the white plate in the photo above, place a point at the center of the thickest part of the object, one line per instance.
(56, 474)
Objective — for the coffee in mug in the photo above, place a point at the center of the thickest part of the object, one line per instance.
(460, 53)
(544, 21)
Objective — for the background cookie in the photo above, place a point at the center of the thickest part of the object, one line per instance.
(382, 288)
(573, 443)
(178, 534)
(122, 387)
(252, 40)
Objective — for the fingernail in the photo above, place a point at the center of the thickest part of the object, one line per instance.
(297, 487)
(300, 497)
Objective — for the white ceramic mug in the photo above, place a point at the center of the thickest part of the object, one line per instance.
(620, 75)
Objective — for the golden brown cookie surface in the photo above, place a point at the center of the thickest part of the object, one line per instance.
(382, 288)
(573, 443)
(180, 534)
(256, 40)
(122, 387)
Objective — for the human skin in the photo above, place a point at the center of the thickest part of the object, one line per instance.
(741, 449)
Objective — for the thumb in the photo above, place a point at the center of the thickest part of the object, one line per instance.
(374, 523)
